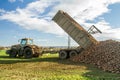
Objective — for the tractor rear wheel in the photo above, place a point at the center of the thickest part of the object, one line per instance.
(28, 53)
(13, 53)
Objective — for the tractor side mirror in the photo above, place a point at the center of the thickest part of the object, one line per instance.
(19, 40)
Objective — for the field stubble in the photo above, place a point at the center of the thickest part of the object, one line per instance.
(49, 67)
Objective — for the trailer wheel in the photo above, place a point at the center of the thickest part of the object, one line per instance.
(13, 53)
(28, 53)
(72, 53)
(63, 55)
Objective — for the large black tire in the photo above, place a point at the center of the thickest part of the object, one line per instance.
(63, 54)
(28, 53)
(13, 53)
(73, 53)
(8, 51)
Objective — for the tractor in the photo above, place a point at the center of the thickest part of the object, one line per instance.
(25, 49)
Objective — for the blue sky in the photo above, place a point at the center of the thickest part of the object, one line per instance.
(32, 18)
(113, 17)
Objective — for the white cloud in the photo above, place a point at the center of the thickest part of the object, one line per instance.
(29, 18)
(2, 11)
(11, 1)
(84, 9)
(107, 31)
(34, 15)
(114, 1)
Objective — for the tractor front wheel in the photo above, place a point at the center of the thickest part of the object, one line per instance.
(28, 53)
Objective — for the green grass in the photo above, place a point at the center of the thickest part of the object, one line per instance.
(49, 67)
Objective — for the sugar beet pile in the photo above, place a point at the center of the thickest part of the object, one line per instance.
(105, 55)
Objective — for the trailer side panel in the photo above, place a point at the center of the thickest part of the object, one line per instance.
(75, 30)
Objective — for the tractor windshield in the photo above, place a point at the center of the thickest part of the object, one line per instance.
(30, 41)
(23, 42)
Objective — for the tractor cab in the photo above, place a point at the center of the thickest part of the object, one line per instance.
(26, 41)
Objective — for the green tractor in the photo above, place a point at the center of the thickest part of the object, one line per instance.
(25, 49)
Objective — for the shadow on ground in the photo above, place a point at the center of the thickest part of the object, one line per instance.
(8, 60)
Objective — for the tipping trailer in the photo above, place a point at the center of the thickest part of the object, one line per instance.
(76, 32)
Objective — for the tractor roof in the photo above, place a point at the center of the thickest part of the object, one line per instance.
(27, 39)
